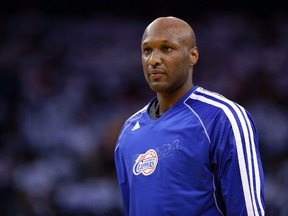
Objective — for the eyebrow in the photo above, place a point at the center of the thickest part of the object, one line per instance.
(162, 41)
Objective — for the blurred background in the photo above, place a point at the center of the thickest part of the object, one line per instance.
(70, 74)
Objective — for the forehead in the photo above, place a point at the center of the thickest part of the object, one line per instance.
(162, 33)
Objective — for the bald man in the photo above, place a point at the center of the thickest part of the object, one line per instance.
(189, 151)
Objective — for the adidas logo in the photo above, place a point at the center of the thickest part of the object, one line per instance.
(136, 126)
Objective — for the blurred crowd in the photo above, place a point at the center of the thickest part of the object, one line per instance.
(68, 83)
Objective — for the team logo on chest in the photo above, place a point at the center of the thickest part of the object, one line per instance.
(146, 163)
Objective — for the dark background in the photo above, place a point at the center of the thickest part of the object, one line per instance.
(70, 74)
(144, 9)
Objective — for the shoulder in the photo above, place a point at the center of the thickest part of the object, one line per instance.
(212, 106)
(134, 117)
(138, 114)
(213, 100)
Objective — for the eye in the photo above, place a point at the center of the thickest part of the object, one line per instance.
(167, 48)
(147, 50)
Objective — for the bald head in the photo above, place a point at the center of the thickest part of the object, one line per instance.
(172, 26)
(169, 53)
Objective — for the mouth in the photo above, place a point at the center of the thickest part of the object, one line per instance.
(155, 73)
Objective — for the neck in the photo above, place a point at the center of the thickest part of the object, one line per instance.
(167, 100)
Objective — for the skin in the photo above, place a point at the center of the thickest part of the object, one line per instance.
(169, 53)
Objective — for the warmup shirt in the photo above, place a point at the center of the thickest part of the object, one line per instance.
(201, 157)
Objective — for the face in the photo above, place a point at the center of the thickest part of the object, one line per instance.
(167, 58)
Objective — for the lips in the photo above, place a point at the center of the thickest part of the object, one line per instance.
(156, 73)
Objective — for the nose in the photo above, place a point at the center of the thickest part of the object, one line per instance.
(155, 58)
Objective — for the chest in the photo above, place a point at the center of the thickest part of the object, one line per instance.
(173, 145)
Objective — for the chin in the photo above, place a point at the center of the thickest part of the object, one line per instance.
(157, 87)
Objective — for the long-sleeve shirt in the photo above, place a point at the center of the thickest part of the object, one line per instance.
(201, 157)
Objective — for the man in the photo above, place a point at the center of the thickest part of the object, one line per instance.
(189, 151)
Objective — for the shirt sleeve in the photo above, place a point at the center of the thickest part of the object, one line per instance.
(237, 163)
(122, 177)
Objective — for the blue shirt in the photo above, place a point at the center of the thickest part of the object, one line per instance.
(201, 157)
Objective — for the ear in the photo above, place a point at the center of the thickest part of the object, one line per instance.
(194, 55)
